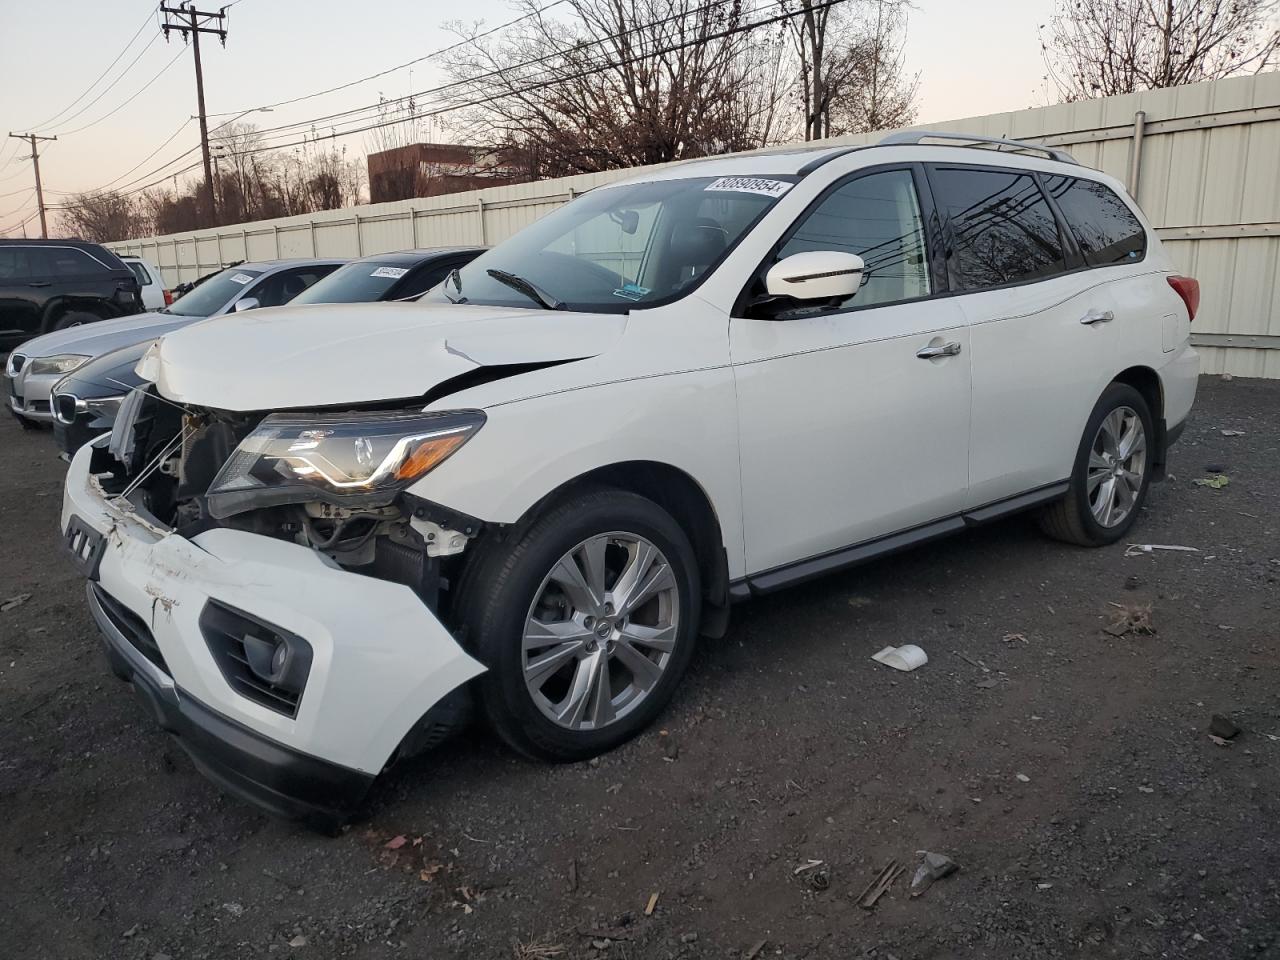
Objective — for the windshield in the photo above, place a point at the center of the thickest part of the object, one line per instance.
(214, 294)
(362, 282)
(619, 248)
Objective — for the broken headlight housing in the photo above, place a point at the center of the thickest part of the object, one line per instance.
(346, 459)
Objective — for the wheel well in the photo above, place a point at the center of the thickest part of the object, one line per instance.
(681, 496)
(55, 311)
(1147, 382)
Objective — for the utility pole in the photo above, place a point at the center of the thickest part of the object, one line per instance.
(35, 162)
(189, 21)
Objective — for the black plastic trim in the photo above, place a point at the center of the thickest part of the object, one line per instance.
(85, 546)
(803, 570)
(276, 778)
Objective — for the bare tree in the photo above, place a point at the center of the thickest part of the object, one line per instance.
(620, 83)
(851, 66)
(1097, 48)
(101, 217)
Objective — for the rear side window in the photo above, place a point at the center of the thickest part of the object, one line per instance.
(1002, 228)
(1104, 226)
(69, 262)
(139, 271)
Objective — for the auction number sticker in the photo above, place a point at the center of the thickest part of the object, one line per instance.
(391, 273)
(241, 278)
(767, 188)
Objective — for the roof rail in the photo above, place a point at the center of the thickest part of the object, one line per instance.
(919, 136)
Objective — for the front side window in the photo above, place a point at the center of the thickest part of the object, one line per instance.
(876, 216)
(1104, 226)
(15, 264)
(1002, 228)
(214, 294)
(620, 248)
(282, 287)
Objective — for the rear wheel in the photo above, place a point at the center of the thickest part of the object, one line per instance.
(1112, 472)
(74, 318)
(586, 624)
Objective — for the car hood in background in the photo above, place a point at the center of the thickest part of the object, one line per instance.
(325, 355)
(95, 339)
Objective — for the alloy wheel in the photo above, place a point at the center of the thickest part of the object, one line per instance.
(1117, 466)
(600, 631)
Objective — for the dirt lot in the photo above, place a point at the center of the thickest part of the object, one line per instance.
(1068, 771)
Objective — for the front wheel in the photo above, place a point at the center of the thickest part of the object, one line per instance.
(587, 624)
(1112, 472)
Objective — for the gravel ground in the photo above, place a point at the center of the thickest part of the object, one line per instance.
(1068, 771)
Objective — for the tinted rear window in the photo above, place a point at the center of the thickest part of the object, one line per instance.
(1002, 227)
(1104, 226)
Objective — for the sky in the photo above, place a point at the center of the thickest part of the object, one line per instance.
(973, 56)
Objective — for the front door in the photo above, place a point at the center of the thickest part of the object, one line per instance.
(853, 424)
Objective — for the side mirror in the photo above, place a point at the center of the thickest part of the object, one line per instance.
(246, 303)
(816, 275)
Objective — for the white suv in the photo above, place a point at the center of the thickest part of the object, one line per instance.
(328, 531)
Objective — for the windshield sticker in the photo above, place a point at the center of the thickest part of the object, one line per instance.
(631, 291)
(241, 278)
(766, 188)
(391, 273)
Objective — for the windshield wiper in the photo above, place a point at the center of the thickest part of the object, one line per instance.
(455, 278)
(530, 290)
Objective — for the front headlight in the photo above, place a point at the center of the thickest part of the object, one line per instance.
(67, 406)
(62, 363)
(339, 458)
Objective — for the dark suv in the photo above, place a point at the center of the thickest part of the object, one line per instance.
(52, 284)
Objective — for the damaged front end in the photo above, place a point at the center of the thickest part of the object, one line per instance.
(335, 482)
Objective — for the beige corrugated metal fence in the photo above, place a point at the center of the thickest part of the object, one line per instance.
(1205, 159)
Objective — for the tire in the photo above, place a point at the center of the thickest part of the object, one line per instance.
(74, 318)
(513, 591)
(1080, 517)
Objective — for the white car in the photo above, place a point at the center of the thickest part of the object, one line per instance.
(156, 295)
(327, 532)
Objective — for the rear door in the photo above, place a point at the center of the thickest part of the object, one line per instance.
(1041, 324)
(848, 432)
(22, 291)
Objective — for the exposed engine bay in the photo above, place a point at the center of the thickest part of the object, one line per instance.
(164, 458)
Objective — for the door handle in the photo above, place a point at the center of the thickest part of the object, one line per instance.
(40, 283)
(1097, 316)
(941, 350)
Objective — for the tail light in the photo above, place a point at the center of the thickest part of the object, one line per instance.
(1188, 288)
(168, 298)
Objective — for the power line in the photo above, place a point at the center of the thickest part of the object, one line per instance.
(543, 84)
(109, 87)
(408, 63)
(45, 123)
(117, 109)
(185, 123)
(555, 54)
(20, 206)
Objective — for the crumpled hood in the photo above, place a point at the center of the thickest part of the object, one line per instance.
(347, 353)
(95, 339)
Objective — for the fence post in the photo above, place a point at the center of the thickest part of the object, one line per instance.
(312, 225)
(1135, 157)
(413, 226)
(484, 234)
(359, 238)
(275, 238)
